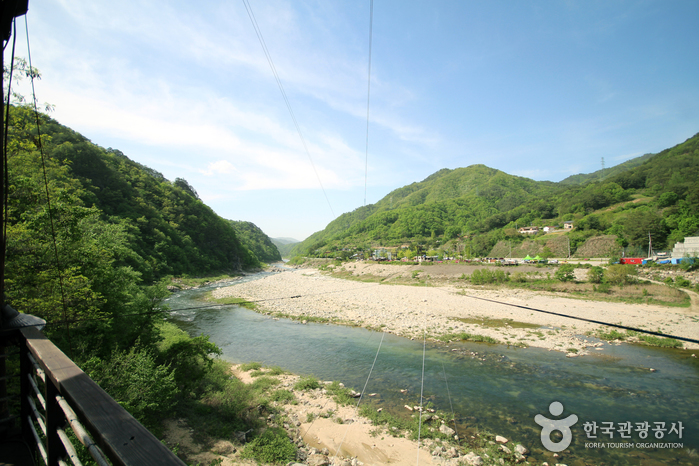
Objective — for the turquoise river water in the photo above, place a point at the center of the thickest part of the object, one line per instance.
(491, 387)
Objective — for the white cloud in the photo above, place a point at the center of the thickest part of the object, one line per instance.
(223, 167)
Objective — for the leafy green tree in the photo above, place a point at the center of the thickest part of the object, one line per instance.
(134, 379)
(547, 253)
(565, 273)
(595, 274)
(620, 274)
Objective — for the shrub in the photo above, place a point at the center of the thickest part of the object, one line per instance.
(595, 274)
(273, 446)
(483, 276)
(602, 288)
(565, 273)
(519, 277)
(683, 282)
(283, 396)
(134, 379)
(620, 274)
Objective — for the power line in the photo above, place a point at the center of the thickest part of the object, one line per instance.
(368, 97)
(286, 99)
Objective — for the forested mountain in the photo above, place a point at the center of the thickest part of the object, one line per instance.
(474, 207)
(256, 240)
(108, 228)
(285, 245)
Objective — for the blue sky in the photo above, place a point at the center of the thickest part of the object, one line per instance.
(541, 89)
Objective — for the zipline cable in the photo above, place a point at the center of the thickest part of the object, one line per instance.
(6, 178)
(361, 396)
(284, 96)
(48, 195)
(422, 382)
(451, 406)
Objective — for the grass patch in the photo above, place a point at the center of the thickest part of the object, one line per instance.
(307, 383)
(660, 341)
(250, 366)
(611, 335)
(400, 425)
(185, 281)
(340, 394)
(231, 301)
(283, 396)
(463, 336)
(642, 338)
(495, 323)
(261, 384)
(273, 446)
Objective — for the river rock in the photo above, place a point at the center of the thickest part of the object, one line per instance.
(446, 430)
(500, 439)
(506, 450)
(318, 460)
(473, 460)
(451, 453)
(520, 449)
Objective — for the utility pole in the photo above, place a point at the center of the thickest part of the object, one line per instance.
(650, 246)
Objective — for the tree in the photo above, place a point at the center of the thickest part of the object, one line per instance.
(595, 274)
(547, 253)
(565, 273)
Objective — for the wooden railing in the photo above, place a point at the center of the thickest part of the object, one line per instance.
(64, 402)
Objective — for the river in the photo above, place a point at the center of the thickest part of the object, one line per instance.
(489, 387)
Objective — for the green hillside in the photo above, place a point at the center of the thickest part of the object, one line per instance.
(167, 228)
(256, 240)
(472, 208)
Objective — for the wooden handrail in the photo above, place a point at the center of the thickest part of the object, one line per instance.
(121, 437)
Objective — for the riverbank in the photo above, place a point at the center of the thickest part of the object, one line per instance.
(505, 315)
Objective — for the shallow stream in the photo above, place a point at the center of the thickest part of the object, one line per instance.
(490, 387)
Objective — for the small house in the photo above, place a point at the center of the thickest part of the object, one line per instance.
(568, 225)
(529, 230)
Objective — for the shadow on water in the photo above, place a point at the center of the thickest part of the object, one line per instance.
(494, 388)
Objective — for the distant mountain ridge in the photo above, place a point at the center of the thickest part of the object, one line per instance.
(599, 175)
(477, 206)
(285, 245)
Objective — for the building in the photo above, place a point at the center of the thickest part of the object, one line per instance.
(529, 230)
(568, 225)
(690, 247)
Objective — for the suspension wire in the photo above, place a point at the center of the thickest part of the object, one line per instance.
(284, 96)
(361, 396)
(624, 327)
(368, 97)
(422, 383)
(48, 195)
(451, 406)
(6, 178)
